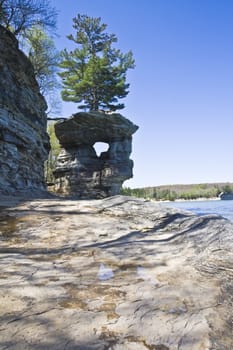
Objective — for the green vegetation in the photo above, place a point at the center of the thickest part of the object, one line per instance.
(32, 22)
(94, 74)
(41, 51)
(53, 154)
(227, 188)
(173, 192)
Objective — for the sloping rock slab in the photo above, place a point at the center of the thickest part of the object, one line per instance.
(118, 273)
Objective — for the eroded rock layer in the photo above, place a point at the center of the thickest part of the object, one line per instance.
(24, 142)
(79, 171)
(118, 273)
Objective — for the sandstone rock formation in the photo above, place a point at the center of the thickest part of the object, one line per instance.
(24, 142)
(118, 273)
(79, 171)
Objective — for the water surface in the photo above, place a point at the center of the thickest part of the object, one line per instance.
(221, 207)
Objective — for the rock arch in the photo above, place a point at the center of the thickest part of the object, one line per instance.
(101, 147)
(79, 171)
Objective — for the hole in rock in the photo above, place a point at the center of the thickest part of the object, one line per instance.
(100, 147)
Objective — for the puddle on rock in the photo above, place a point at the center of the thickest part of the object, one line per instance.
(146, 275)
(98, 295)
(109, 308)
(8, 227)
(125, 270)
(105, 273)
(11, 226)
(115, 338)
(94, 297)
(73, 304)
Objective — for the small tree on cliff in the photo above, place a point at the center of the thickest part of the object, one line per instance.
(41, 51)
(94, 74)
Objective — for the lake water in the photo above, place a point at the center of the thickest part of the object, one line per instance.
(221, 207)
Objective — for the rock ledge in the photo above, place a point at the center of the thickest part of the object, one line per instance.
(119, 273)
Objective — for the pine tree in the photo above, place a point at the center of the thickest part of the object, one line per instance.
(94, 73)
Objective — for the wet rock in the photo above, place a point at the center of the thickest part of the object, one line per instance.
(24, 142)
(117, 273)
(79, 171)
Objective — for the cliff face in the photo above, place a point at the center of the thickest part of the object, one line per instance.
(24, 143)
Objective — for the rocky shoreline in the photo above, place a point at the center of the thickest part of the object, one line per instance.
(119, 273)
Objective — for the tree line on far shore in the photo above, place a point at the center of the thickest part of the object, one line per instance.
(174, 192)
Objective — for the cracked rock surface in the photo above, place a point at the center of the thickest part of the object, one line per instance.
(118, 273)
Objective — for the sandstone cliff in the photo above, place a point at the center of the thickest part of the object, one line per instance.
(24, 143)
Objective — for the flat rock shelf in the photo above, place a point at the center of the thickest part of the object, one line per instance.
(117, 273)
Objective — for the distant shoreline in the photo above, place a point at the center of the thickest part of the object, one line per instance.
(201, 199)
(173, 193)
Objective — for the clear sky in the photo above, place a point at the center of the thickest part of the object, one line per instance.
(181, 90)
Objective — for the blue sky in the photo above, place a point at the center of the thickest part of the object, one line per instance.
(181, 90)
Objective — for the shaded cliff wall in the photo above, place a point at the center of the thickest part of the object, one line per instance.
(24, 143)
